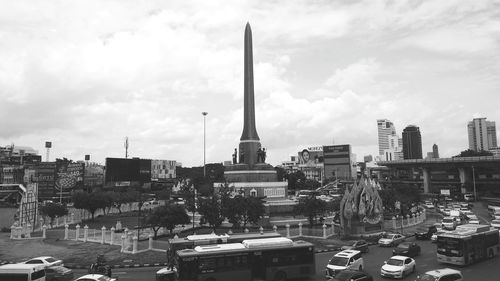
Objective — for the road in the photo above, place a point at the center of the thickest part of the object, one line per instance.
(483, 271)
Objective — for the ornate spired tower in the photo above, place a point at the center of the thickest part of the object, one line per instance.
(250, 173)
(249, 141)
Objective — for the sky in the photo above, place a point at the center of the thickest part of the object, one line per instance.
(87, 74)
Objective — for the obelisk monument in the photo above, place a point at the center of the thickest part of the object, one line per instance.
(250, 174)
(249, 141)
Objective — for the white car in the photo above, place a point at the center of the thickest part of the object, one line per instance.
(46, 261)
(398, 267)
(95, 277)
(495, 224)
(476, 221)
(441, 275)
(391, 239)
(429, 205)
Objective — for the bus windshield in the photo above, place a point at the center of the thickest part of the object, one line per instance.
(449, 246)
(339, 261)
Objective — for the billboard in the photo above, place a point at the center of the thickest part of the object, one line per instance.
(311, 156)
(127, 170)
(337, 161)
(46, 176)
(69, 175)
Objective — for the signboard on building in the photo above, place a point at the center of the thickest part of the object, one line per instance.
(127, 170)
(69, 175)
(28, 207)
(46, 176)
(445, 192)
(311, 156)
(337, 162)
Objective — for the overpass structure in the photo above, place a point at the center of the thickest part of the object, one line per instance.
(467, 174)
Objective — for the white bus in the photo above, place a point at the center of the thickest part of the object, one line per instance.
(22, 272)
(263, 259)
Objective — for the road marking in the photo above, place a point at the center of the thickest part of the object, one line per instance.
(119, 273)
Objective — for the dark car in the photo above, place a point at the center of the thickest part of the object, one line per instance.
(352, 275)
(408, 249)
(58, 273)
(360, 245)
(425, 232)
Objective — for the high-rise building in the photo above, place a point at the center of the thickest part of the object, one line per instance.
(412, 143)
(389, 144)
(435, 151)
(482, 134)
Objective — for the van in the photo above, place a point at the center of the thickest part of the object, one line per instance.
(22, 272)
(347, 259)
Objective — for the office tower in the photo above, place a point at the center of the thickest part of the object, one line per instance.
(482, 134)
(412, 143)
(385, 129)
(435, 151)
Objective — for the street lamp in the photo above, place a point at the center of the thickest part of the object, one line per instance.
(474, 182)
(204, 141)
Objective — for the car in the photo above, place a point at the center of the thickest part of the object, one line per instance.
(444, 274)
(352, 275)
(449, 223)
(425, 232)
(446, 211)
(495, 224)
(58, 273)
(476, 221)
(360, 245)
(347, 259)
(429, 205)
(391, 239)
(398, 267)
(45, 260)
(409, 249)
(96, 277)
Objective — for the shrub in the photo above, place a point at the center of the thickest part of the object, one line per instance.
(5, 229)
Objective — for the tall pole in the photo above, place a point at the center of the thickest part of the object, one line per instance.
(474, 182)
(204, 143)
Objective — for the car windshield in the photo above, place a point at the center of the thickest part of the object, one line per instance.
(426, 277)
(389, 236)
(34, 261)
(339, 261)
(344, 276)
(447, 220)
(495, 221)
(50, 260)
(395, 262)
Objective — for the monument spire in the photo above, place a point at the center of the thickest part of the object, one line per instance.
(249, 129)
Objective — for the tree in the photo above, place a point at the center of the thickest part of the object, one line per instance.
(53, 210)
(89, 201)
(311, 207)
(294, 180)
(210, 210)
(175, 215)
(244, 210)
(472, 153)
(156, 219)
(120, 198)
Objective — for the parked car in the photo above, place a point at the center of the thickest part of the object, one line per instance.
(352, 275)
(58, 273)
(409, 249)
(444, 274)
(398, 267)
(347, 259)
(429, 205)
(391, 239)
(47, 261)
(360, 245)
(425, 232)
(495, 224)
(95, 277)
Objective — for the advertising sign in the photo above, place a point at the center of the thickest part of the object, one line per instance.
(310, 157)
(46, 174)
(445, 192)
(69, 175)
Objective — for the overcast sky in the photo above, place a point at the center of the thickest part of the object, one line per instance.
(86, 74)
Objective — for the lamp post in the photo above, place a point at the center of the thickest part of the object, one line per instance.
(204, 142)
(474, 182)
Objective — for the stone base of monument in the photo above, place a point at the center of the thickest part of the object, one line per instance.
(358, 228)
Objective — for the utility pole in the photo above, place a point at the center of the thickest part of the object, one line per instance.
(204, 143)
(126, 147)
